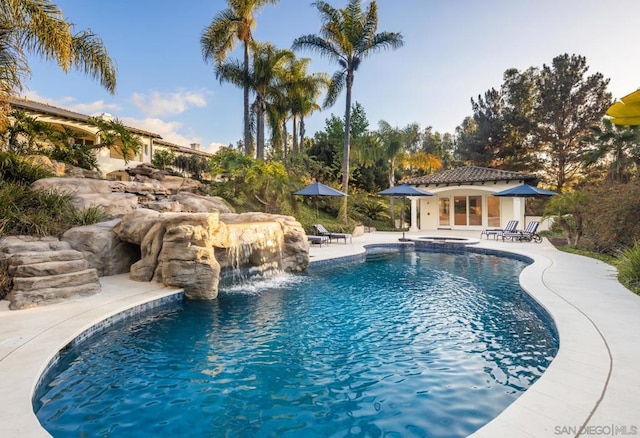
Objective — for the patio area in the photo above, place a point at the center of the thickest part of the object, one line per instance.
(589, 386)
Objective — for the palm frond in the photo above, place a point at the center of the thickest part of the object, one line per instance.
(90, 56)
(337, 84)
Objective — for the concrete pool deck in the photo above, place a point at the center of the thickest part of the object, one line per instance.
(590, 387)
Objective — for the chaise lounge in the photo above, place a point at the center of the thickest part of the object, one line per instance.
(529, 234)
(511, 227)
(322, 231)
(318, 240)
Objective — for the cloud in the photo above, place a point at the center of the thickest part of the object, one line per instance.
(90, 108)
(167, 130)
(156, 104)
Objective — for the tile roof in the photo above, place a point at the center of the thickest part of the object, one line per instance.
(470, 175)
(179, 148)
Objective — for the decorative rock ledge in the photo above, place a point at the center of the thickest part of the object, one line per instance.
(44, 271)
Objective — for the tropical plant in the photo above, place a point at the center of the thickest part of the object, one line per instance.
(26, 134)
(113, 134)
(63, 147)
(39, 27)
(163, 159)
(39, 212)
(268, 182)
(567, 211)
(629, 267)
(14, 169)
(347, 37)
(229, 26)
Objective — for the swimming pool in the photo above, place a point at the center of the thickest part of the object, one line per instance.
(411, 343)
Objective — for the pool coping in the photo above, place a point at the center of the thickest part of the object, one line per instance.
(589, 387)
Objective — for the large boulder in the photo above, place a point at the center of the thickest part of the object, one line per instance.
(102, 249)
(187, 202)
(88, 192)
(73, 186)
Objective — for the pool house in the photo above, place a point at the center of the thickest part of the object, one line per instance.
(464, 199)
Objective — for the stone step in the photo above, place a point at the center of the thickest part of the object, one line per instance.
(55, 281)
(48, 268)
(18, 244)
(25, 299)
(29, 258)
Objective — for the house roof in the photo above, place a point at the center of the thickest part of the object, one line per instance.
(471, 175)
(179, 148)
(43, 108)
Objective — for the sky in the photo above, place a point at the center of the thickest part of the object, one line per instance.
(453, 50)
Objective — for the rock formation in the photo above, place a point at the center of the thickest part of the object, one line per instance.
(160, 231)
(189, 250)
(44, 271)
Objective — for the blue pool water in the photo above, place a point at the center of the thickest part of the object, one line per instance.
(409, 344)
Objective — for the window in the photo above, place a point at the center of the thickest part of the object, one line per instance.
(493, 211)
(444, 212)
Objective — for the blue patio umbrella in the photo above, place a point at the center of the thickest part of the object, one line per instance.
(525, 191)
(319, 189)
(404, 191)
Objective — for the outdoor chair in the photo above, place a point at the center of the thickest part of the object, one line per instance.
(529, 234)
(511, 227)
(322, 231)
(318, 240)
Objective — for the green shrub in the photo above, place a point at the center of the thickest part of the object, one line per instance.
(39, 213)
(610, 215)
(629, 267)
(90, 215)
(14, 169)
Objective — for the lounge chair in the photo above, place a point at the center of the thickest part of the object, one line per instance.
(318, 240)
(322, 231)
(511, 227)
(529, 234)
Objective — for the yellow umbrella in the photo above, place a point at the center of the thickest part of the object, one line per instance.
(626, 111)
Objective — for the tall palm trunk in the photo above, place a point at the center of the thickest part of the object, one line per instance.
(347, 137)
(284, 137)
(295, 134)
(247, 131)
(302, 131)
(392, 182)
(260, 109)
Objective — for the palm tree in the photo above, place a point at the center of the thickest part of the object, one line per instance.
(229, 26)
(347, 36)
(303, 91)
(295, 97)
(39, 27)
(262, 77)
(619, 145)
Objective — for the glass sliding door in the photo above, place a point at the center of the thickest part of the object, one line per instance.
(445, 213)
(493, 211)
(475, 210)
(460, 210)
(467, 210)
